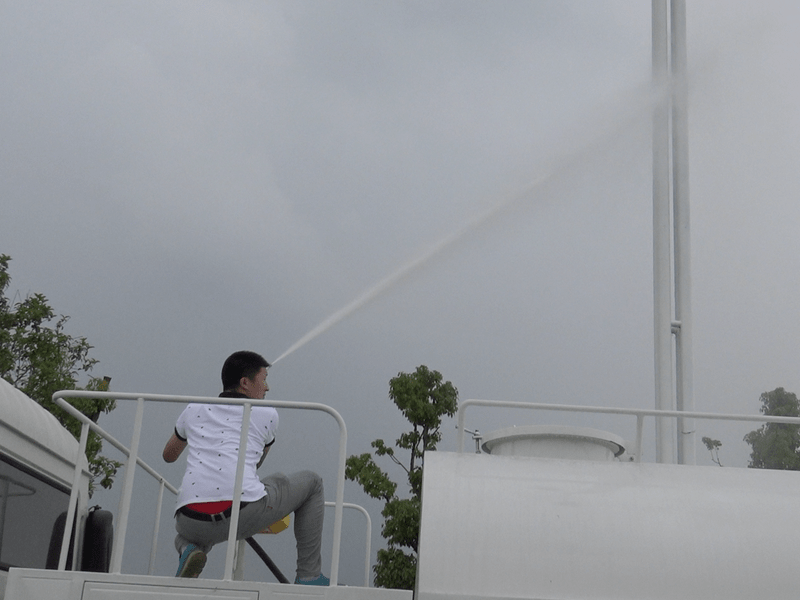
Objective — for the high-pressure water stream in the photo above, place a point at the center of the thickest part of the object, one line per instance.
(634, 107)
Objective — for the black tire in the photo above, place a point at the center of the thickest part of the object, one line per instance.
(56, 537)
(98, 539)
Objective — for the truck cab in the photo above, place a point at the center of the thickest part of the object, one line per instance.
(37, 466)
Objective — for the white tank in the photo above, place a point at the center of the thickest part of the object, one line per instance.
(524, 527)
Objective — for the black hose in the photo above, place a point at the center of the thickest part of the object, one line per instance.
(267, 560)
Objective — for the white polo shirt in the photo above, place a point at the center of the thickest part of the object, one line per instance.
(212, 432)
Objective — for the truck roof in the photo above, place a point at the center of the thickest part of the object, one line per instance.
(32, 436)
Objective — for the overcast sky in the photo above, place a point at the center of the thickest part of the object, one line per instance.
(190, 178)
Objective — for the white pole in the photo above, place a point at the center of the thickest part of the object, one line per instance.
(154, 544)
(127, 491)
(680, 204)
(237, 493)
(662, 284)
(73, 501)
(368, 545)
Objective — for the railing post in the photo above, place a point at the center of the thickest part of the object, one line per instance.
(368, 546)
(73, 499)
(639, 432)
(154, 544)
(462, 409)
(127, 491)
(238, 562)
(237, 493)
(337, 518)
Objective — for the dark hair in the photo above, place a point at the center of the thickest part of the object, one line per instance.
(241, 364)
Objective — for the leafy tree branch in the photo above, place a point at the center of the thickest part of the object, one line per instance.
(38, 357)
(713, 447)
(776, 445)
(424, 399)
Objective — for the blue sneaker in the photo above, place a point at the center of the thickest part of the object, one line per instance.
(191, 562)
(318, 580)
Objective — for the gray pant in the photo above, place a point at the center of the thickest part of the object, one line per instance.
(301, 493)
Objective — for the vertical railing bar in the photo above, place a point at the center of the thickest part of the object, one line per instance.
(237, 493)
(368, 543)
(460, 427)
(238, 560)
(154, 545)
(127, 491)
(73, 500)
(368, 550)
(639, 433)
(337, 518)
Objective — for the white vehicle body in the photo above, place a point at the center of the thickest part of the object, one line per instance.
(37, 467)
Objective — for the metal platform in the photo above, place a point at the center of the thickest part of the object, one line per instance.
(37, 584)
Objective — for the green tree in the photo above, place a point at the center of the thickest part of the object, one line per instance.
(776, 445)
(713, 447)
(38, 357)
(424, 399)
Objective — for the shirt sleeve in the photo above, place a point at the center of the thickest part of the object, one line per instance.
(180, 425)
(266, 424)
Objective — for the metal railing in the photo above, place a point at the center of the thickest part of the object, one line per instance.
(640, 414)
(133, 458)
(368, 541)
(123, 510)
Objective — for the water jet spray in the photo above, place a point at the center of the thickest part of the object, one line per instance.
(642, 99)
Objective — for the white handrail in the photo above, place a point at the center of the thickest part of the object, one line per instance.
(237, 492)
(127, 492)
(86, 425)
(60, 396)
(154, 546)
(73, 498)
(638, 413)
(368, 550)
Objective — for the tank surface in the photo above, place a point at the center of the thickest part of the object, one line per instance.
(522, 527)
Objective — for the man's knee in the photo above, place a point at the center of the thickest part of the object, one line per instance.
(277, 479)
(314, 478)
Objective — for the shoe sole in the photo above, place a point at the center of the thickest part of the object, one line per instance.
(194, 565)
(320, 580)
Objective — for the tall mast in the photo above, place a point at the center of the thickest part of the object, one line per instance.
(680, 205)
(671, 243)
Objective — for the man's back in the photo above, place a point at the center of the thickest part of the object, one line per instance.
(213, 432)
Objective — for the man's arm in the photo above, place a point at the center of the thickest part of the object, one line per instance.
(173, 449)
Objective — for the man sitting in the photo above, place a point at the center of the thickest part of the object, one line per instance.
(212, 433)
